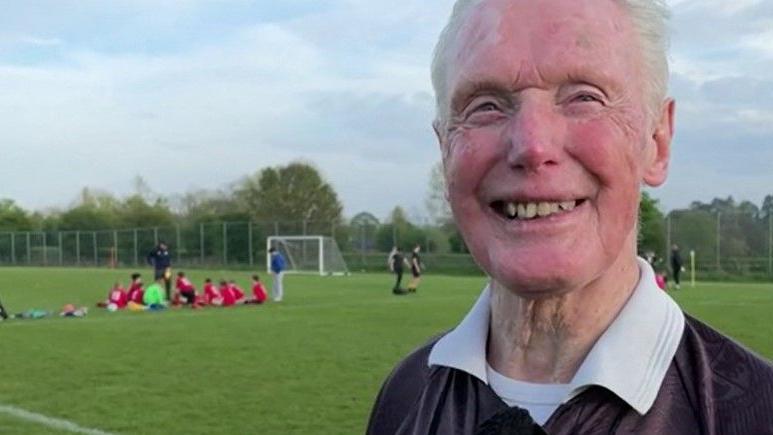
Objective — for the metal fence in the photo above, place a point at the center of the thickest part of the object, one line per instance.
(210, 244)
(203, 244)
(725, 244)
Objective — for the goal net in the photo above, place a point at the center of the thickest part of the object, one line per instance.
(308, 254)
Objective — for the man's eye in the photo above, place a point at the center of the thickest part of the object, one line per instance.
(485, 107)
(586, 98)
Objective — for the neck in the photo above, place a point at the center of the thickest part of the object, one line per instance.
(545, 340)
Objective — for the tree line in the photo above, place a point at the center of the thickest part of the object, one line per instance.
(297, 192)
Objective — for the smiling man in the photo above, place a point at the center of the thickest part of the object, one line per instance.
(550, 116)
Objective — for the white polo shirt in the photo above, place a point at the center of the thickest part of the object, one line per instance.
(630, 358)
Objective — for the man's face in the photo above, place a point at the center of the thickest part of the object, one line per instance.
(548, 140)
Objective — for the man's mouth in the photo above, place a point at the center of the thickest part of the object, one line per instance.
(512, 210)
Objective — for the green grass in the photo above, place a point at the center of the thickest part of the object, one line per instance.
(311, 365)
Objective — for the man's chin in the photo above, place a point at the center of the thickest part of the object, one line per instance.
(533, 287)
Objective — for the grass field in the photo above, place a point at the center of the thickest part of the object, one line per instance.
(310, 365)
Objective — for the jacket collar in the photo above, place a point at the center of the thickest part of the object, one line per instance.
(630, 358)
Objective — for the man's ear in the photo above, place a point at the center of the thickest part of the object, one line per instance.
(658, 153)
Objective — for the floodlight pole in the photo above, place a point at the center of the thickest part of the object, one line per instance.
(61, 255)
(13, 248)
(692, 268)
(29, 255)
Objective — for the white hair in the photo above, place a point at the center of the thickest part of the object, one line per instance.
(650, 21)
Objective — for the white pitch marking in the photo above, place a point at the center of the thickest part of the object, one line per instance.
(55, 423)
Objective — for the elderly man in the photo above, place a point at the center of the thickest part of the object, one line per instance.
(551, 115)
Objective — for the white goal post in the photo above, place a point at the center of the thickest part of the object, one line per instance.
(308, 254)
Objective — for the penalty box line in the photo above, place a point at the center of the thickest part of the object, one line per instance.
(54, 423)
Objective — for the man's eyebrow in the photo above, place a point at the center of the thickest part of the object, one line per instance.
(469, 90)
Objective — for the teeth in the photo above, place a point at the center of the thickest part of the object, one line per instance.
(567, 205)
(530, 210)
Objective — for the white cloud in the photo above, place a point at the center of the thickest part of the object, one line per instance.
(169, 92)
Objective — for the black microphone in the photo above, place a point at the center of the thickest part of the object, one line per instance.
(512, 421)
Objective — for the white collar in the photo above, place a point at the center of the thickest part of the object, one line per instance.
(630, 358)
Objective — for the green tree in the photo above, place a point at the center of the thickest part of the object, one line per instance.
(651, 226)
(13, 217)
(399, 231)
(136, 212)
(93, 211)
(292, 193)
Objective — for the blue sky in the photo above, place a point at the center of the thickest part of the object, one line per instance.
(194, 94)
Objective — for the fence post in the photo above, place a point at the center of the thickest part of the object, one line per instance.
(304, 227)
(225, 243)
(45, 250)
(719, 219)
(668, 239)
(276, 228)
(770, 244)
(179, 242)
(96, 254)
(61, 254)
(155, 235)
(136, 254)
(115, 248)
(201, 242)
(77, 247)
(29, 255)
(249, 242)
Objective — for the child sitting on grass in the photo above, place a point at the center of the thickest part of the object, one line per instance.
(211, 295)
(154, 295)
(136, 292)
(117, 296)
(185, 289)
(258, 292)
(237, 292)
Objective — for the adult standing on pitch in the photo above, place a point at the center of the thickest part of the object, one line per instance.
(161, 261)
(416, 268)
(676, 264)
(3, 312)
(397, 260)
(551, 115)
(277, 271)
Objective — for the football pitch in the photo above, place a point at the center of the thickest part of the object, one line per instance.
(310, 365)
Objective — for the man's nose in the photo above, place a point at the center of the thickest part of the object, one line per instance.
(531, 138)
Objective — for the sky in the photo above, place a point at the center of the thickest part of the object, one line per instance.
(195, 94)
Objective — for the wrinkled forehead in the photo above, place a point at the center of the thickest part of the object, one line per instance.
(545, 38)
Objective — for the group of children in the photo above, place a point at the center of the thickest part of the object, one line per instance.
(139, 298)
